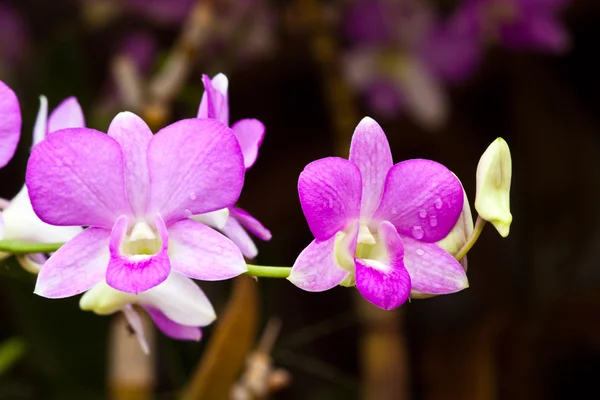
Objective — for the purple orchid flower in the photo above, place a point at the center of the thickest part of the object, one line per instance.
(249, 133)
(136, 191)
(21, 222)
(518, 24)
(10, 129)
(376, 224)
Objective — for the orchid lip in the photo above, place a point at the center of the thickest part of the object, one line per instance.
(141, 243)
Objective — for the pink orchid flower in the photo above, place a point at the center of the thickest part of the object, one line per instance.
(21, 222)
(376, 224)
(135, 192)
(249, 133)
(10, 129)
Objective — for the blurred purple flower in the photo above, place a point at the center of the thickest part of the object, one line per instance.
(517, 24)
(402, 55)
(162, 11)
(14, 39)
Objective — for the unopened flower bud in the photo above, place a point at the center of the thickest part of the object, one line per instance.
(494, 173)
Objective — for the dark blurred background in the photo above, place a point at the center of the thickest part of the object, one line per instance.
(444, 80)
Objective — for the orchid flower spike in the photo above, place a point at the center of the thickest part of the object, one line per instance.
(21, 222)
(135, 192)
(494, 173)
(376, 224)
(10, 129)
(249, 133)
(177, 306)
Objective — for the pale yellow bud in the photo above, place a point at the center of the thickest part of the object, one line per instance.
(103, 299)
(494, 172)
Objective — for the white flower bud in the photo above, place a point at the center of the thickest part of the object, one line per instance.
(494, 172)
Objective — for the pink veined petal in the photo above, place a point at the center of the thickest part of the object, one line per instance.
(432, 269)
(250, 134)
(10, 123)
(214, 103)
(133, 135)
(135, 322)
(318, 268)
(173, 329)
(136, 273)
(196, 166)
(181, 300)
(76, 267)
(41, 122)
(330, 195)
(422, 198)
(383, 280)
(202, 253)
(250, 223)
(68, 114)
(81, 168)
(370, 152)
(238, 235)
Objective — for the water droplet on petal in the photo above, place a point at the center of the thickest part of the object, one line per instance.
(187, 213)
(417, 232)
(219, 250)
(420, 252)
(423, 213)
(192, 196)
(438, 203)
(433, 221)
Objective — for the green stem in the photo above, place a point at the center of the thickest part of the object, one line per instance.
(263, 271)
(479, 224)
(17, 247)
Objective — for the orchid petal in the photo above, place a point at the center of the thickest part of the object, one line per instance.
(135, 322)
(250, 134)
(320, 266)
(462, 231)
(214, 103)
(250, 223)
(215, 219)
(432, 269)
(202, 253)
(68, 114)
(41, 122)
(330, 194)
(196, 166)
(139, 272)
(382, 278)
(422, 198)
(23, 224)
(370, 152)
(173, 329)
(10, 123)
(76, 267)
(2, 226)
(134, 136)
(81, 168)
(181, 300)
(238, 235)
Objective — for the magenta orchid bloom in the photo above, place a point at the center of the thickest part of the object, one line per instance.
(376, 223)
(249, 133)
(10, 123)
(21, 222)
(136, 191)
(10, 129)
